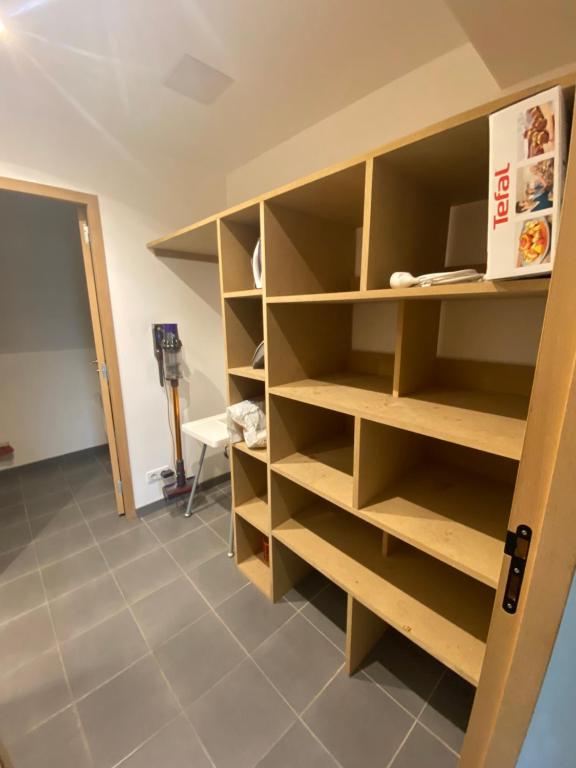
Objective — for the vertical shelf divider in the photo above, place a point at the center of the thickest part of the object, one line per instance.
(416, 345)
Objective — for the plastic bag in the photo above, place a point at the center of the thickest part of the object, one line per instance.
(247, 421)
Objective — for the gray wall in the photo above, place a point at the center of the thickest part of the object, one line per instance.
(49, 391)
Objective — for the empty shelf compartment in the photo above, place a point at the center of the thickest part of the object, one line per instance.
(314, 234)
(450, 502)
(441, 610)
(314, 447)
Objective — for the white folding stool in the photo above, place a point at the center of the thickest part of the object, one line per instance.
(213, 432)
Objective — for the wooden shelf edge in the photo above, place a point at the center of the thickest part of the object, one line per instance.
(423, 413)
(321, 477)
(249, 293)
(255, 511)
(487, 289)
(247, 372)
(257, 453)
(256, 571)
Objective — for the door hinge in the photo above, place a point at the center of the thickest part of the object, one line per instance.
(517, 547)
(119, 486)
(86, 232)
(104, 371)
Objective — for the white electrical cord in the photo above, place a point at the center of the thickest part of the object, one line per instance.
(406, 280)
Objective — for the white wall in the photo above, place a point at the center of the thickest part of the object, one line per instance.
(49, 395)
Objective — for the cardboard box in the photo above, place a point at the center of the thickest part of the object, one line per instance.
(527, 168)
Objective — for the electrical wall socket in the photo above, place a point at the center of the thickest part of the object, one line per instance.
(155, 475)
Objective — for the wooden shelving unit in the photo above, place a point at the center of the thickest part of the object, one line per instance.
(393, 473)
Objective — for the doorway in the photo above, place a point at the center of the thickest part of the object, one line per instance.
(61, 390)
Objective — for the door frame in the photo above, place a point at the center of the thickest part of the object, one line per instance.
(88, 209)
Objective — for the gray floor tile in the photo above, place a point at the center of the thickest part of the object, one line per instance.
(198, 657)
(165, 612)
(448, 711)
(218, 578)
(241, 718)
(252, 617)
(101, 505)
(423, 750)
(10, 496)
(307, 589)
(14, 537)
(298, 749)
(221, 526)
(50, 503)
(82, 477)
(48, 469)
(31, 694)
(55, 522)
(97, 486)
(85, 607)
(73, 572)
(208, 512)
(12, 515)
(100, 653)
(352, 717)
(64, 544)
(20, 596)
(327, 611)
(121, 715)
(175, 746)
(408, 673)
(57, 743)
(299, 661)
(72, 462)
(37, 488)
(24, 638)
(17, 563)
(173, 525)
(9, 480)
(196, 548)
(129, 546)
(107, 526)
(146, 574)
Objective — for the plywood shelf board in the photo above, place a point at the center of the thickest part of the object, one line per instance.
(258, 572)
(200, 239)
(503, 289)
(247, 372)
(324, 468)
(249, 293)
(257, 453)
(444, 612)
(487, 421)
(255, 511)
(454, 515)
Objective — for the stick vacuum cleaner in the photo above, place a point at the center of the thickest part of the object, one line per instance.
(168, 353)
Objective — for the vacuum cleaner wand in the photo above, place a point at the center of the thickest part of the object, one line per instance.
(168, 353)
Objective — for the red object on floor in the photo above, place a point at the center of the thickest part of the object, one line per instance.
(6, 450)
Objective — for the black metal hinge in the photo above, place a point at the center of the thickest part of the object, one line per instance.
(517, 546)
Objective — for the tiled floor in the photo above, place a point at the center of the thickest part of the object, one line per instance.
(140, 644)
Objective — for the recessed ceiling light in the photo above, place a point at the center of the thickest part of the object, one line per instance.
(3, 29)
(199, 81)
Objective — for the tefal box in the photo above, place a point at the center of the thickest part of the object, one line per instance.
(527, 166)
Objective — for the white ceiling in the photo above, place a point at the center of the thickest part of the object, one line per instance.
(293, 62)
